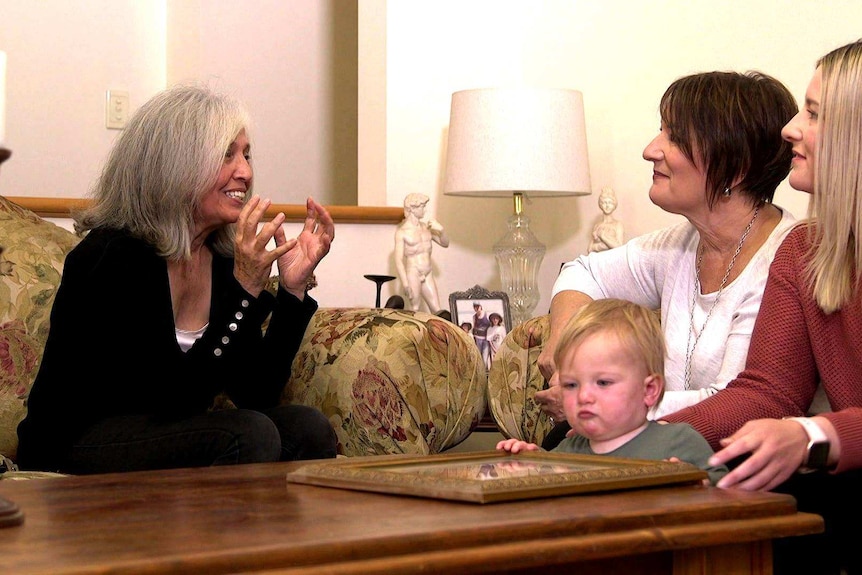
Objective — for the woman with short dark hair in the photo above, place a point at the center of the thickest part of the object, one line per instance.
(717, 161)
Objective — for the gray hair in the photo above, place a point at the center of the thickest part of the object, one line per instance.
(166, 159)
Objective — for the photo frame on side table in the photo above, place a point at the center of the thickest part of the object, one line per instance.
(484, 315)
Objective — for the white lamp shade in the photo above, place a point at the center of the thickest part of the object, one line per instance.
(505, 140)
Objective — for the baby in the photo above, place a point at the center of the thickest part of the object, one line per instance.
(610, 360)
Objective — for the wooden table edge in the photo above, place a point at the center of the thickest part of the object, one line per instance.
(570, 549)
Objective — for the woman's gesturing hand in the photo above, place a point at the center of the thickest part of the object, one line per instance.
(252, 260)
(297, 262)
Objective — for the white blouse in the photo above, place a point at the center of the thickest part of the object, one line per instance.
(656, 270)
(187, 339)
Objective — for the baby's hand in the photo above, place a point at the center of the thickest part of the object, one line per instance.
(516, 446)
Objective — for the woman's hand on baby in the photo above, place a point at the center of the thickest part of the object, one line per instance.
(546, 360)
(550, 400)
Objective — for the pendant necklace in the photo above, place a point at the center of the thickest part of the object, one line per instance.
(689, 346)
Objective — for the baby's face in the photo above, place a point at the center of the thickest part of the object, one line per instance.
(604, 386)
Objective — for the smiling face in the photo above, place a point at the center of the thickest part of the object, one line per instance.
(801, 132)
(678, 184)
(222, 204)
(607, 389)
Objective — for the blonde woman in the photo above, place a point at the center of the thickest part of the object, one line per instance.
(808, 333)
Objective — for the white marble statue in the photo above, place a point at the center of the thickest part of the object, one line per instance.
(413, 241)
(608, 233)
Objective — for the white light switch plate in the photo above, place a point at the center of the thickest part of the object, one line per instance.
(116, 109)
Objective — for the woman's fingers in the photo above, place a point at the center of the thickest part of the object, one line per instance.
(775, 453)
(242, 227)
(252, 258)
(318, 219)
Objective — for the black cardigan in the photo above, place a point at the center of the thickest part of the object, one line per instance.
(112, 347)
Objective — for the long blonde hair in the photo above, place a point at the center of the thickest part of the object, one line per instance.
(836, 253)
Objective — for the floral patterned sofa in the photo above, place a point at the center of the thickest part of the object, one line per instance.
(514, 379)
(391, 381)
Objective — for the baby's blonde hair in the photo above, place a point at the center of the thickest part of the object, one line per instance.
(637, 327)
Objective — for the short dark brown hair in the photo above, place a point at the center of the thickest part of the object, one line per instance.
(731, 123)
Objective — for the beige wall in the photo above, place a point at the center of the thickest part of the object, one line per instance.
(62, 56)
(292, 62)
(621, 53)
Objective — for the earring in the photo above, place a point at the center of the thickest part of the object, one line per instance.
(726, 192)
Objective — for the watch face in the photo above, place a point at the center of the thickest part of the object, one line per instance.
(818, 454)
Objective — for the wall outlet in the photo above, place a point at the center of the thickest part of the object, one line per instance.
(116, 109)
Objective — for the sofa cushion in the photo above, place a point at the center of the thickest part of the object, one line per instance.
(513, 380)
(390, 381)
(30, 268)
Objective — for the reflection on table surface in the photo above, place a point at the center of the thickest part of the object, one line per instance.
(489, 469)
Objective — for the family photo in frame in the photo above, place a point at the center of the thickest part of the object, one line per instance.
(485, 316)
(493, 476)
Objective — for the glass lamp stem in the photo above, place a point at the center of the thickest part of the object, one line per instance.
(519, 254)
(518, 198)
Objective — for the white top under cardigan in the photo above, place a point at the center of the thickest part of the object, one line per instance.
(657, 270)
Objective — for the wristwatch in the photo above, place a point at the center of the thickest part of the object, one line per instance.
(818, 445)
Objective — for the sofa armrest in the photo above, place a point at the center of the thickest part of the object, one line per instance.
(390, 381)
(515, 378)
(31, 264)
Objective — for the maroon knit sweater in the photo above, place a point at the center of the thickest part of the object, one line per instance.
(794, 346)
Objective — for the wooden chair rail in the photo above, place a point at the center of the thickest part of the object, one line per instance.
(61, 207)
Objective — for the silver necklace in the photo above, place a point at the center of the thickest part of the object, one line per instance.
(689, 346)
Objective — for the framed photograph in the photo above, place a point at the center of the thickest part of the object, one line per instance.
(483, 315)
(492, 476)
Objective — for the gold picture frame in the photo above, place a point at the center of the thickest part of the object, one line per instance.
(493, 476)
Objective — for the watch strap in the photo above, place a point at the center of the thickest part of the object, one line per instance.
(817, 441)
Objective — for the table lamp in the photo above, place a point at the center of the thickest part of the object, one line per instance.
(517, 142)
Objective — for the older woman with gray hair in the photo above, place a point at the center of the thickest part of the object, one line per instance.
(162, 304)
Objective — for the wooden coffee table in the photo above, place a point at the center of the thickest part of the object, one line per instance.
(249, 519)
